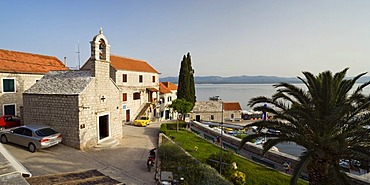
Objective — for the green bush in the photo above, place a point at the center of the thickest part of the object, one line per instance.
(163, 129)
(174, 159)
(241, 135)
(167, 127)
(238, 178)
(173, 126)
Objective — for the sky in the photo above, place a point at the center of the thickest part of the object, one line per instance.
(224, 38)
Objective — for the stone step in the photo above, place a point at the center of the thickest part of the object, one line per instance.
(72, 178)
(107, 143)
(101, 180)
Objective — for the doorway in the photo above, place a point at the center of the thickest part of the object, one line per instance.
(128, 115)
(167, 114)
(197, 118)
(103, 127)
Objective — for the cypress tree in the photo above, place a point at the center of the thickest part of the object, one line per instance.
(181, 90)
(186, 86)
(192, 97)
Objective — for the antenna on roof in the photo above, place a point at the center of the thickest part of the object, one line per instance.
(78, 54)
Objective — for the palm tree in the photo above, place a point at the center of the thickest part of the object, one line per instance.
(326, 119)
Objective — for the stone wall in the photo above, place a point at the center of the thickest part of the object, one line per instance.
(76, 116)
(228, 115)
(22, 83)
(61, 114)
(91, 106)
(207, 109)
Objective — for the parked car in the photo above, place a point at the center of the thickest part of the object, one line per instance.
(33, 136)
(9, 121)
(142, 121)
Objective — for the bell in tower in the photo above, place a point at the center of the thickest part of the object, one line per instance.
(100, 47)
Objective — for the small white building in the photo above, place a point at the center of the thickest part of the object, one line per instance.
(167, 94)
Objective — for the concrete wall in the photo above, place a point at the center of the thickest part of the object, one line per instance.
(22, 83)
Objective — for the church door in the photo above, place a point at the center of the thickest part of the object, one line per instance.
(103, 127)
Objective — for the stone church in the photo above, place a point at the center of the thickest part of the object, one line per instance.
(85, 106)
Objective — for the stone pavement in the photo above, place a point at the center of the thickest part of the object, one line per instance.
(125, 162)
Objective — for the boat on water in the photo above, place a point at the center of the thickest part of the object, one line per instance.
(214, 98)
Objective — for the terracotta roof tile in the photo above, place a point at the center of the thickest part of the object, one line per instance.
(163, 89)
(122, 63)
(232, 106)
(20, 62)
(170, 86)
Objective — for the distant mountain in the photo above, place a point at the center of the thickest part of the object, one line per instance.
(244, 79)
(234, 79)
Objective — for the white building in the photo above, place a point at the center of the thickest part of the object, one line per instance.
(18, 72)
(139, 85)
(167, 94)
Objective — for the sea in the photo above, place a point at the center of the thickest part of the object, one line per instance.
(241, 93)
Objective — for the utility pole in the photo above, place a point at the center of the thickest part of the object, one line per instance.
(78, 54)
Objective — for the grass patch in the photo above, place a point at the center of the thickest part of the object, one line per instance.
(255, 173)
(174, 159)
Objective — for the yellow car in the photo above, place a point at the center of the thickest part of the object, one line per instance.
(142, 121)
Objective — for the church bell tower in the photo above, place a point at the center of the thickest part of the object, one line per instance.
(100, 56)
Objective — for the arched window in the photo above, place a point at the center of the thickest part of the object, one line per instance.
(102, 49)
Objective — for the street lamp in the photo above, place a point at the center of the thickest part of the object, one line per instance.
(221, 125)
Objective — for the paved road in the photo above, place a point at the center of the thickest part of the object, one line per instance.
(125, 162)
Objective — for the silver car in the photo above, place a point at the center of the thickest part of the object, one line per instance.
(33, 136)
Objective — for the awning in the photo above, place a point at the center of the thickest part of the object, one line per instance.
(152, 89)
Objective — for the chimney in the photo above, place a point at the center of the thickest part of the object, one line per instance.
(65, 61)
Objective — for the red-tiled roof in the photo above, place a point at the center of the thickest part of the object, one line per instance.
(20, 62)
(170, 86)
(232, 106)
(122, 63)
(163, 89)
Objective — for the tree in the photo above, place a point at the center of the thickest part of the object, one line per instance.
(191, 94)
(183, 79)
(326, 119)
(181, 106)
(186, 86)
